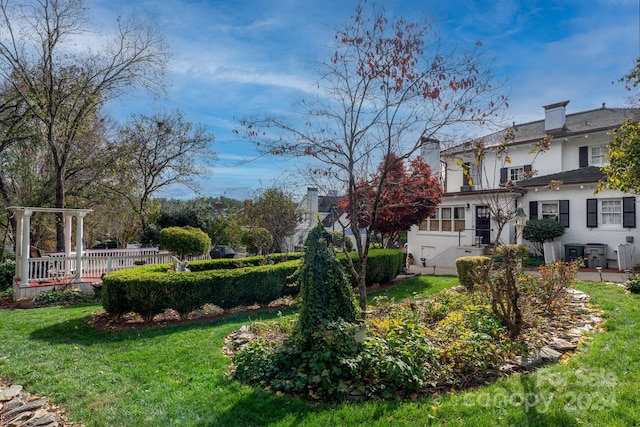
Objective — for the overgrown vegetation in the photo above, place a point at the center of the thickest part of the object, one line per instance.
(453, 340)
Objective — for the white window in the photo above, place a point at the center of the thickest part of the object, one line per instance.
(611, 212)
(516, 174)
(598, 153)
(549, 210)
(445, 219)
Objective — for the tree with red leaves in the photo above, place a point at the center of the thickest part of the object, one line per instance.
(389, 86)
(408, 195)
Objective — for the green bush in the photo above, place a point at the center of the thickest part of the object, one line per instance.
(468, 267)
(185, 241)
(257, 239)
(7, 270)
(68, 296)
(340, 239)
(539, 231)
(383, 265)
(633, 285)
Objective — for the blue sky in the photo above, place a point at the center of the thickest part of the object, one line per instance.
(232, 58)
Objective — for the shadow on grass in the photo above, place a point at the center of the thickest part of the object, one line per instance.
(259, 407)
(541, 407)
(77, 331)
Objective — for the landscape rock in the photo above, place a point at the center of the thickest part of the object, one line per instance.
(562, 345)
(19, 408)
(549, 355)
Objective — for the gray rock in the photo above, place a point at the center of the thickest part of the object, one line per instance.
(35, 404)
(549, 355)
(10, 393)
(562, 345)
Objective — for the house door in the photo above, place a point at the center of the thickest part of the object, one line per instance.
(483, 224)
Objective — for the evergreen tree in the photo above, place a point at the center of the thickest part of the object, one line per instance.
(324, 287)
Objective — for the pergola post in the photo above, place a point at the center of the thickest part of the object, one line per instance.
(67, 242)
(26, 242)
(23, 239)
(79, 245)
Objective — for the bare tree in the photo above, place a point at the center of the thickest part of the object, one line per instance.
(63, 85)
(388, 87)
(154, 152)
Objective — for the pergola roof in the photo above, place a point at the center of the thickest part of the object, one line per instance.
(54, 210)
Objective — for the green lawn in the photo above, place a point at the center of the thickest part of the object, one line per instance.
(177, 375)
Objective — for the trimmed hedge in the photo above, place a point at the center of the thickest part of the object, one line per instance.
(227, 283)
(149, 292)
(466, 267)
(383, 265)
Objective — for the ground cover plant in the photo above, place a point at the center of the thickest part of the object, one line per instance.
(176, 375)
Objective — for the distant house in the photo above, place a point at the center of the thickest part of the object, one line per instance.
(601, 228)
(313, 208)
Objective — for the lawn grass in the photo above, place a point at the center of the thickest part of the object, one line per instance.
(177, 376)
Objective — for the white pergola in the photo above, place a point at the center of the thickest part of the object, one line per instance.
(23, 237)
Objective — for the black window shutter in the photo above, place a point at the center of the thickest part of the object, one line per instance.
(592, 213)
(533, 210)
(629, 212)
(503, 175)
(583, 155)
(563, 217)
(527, 168)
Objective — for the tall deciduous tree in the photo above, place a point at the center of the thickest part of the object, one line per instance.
(63, 85)
(273, 209)
(388, 86)
(154, 152)
(623, 170)
(408, 196)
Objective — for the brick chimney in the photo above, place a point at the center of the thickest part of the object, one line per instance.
(555, 116)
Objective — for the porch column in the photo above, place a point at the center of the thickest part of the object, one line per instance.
(25, 243)
(79, 243)
(67, 243)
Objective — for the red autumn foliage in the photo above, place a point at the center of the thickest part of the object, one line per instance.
(407, 196)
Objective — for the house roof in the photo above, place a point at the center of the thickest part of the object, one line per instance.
(603, 118)
(588, 174)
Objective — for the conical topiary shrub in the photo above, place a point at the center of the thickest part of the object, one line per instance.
(325, 290)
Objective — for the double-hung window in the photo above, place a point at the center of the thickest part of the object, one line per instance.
(611, 212)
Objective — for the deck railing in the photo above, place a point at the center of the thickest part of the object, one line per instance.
(95, 263)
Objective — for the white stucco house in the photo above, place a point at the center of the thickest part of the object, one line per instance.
(313, 208)
(601, 227)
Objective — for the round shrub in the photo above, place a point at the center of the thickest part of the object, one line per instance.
(185, 241)
(539, 231)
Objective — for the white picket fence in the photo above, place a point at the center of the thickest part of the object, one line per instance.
(95, 263)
